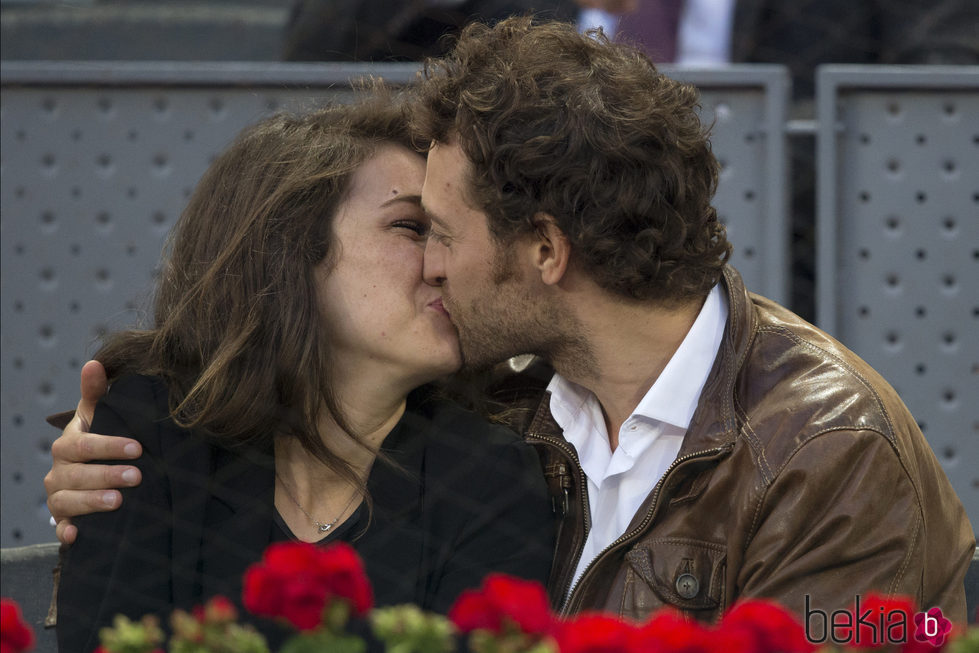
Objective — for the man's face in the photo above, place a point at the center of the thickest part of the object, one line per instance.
(483, 287)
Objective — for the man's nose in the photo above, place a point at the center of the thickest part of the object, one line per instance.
(433, 265)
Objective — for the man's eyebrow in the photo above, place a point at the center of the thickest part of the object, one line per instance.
(411, 199)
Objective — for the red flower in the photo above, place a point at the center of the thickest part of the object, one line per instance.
(198, 613)
(345, 577)
(15, 634)
(295, 580)
(762, 626)
(473, 611)
(593, 632)
(670, 632)
(501, 601)
(878, 621)
(914, 646)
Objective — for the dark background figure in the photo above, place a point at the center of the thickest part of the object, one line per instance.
(378, 30)
(803, 35)
(807, 33)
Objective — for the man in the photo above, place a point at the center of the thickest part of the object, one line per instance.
(702, 444)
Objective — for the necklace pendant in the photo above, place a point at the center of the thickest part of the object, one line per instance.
(324, 527)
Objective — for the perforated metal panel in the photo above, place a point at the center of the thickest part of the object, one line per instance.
(747, 106)
(99, 159)
(899, 243)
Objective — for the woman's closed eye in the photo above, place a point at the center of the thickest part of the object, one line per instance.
(420, 228)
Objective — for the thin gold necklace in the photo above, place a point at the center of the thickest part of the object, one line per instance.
(321, 526)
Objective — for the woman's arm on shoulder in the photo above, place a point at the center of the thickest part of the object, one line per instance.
(120, 562)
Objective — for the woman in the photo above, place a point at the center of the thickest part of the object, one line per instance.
(278, 396)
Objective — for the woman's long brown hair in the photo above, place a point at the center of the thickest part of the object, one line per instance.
(237, 332)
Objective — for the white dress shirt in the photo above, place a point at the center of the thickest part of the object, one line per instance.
(619, 481)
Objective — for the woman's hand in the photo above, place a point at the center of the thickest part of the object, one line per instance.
(75, 485)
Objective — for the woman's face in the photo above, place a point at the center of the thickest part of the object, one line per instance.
(381, 314)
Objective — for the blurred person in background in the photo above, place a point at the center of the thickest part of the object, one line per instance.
(409, 30)
(800, 35)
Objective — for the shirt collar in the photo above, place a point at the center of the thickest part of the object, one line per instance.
(674, 396)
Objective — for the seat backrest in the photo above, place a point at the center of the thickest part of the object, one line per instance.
(26, 577)
(897, 246)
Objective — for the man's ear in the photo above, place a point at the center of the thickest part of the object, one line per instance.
(551, 249)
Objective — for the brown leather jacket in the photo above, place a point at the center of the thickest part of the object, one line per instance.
(802, 475)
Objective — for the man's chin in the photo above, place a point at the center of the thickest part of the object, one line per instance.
(476, 365)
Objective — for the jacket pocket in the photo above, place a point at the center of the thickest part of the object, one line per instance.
(687, 574)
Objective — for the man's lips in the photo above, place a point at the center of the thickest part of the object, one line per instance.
(438, 306)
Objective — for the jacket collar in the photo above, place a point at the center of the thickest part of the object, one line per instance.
(238, 517)
(714, 422)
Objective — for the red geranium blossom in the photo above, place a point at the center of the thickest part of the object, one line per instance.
(501, 600)
(295, 580)
(914, 646)
(15, 634)
(346, 579)
(473, 611)
(878, 621)
(595, 632)
(762, 626)
(669, 631)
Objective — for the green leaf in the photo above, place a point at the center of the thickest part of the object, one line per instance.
(321, 641)
(968, 642)
(126, 636)
(407, 629)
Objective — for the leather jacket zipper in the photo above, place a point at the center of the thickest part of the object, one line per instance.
(654, 508)
(565, 448)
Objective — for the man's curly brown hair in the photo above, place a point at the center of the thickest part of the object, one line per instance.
(591, 133)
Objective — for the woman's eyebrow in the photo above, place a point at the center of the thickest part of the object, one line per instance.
(411, 199)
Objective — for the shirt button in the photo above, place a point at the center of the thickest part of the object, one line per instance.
(687, 586)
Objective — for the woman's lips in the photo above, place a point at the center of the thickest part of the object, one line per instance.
(438, 306)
